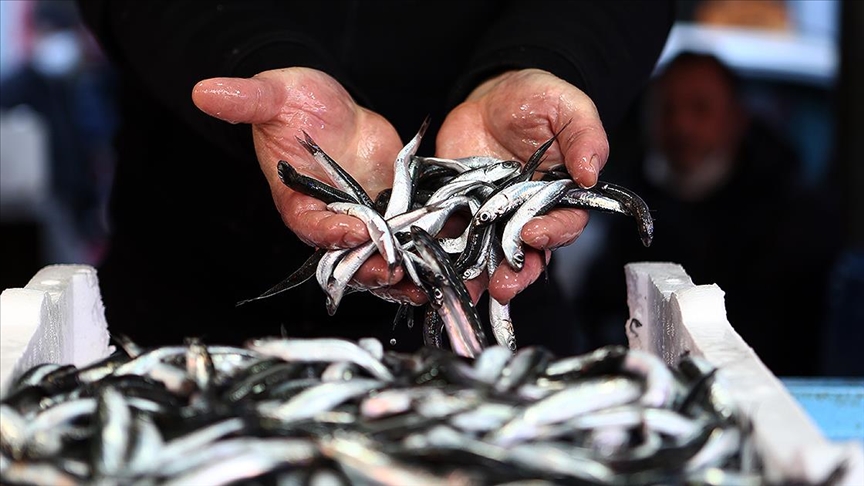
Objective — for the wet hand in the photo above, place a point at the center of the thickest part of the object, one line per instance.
(280, 105)
(508, 117)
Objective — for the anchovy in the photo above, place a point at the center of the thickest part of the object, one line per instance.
(325, 350)
(635, 205)
(462, 164)
(246, 465)
(114, 440)
(457, 187)
(506, 201)
(457, 310)
(491, 362)
(576, 399)
(320, 398)
(310, 186)
(340, 177)
(33, 376)
(487, 175)
(551, 459)
(537, 204)
(722, 444)
(579, 198)
(38, 473)
(378, 229)
(389, 402)
(521, 367)
(366, 464)
(403, 182)
(199, 365)
(484, 418)
(147, 446)
(433, 327)
(298, 277)
(499, 314)
(487, 244)
(659, 380)
(13, 431)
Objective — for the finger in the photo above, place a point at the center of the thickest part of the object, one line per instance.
(239, 100)
(507, 283)
(476, 286)
(316, 226)
(585, 146)
(376, 273)
(555, 229)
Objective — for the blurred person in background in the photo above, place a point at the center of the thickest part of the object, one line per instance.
(68, 83)
(731, 208)
(214, 94)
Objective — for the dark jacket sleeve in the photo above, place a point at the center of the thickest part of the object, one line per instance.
(170, 45)
(606, 48)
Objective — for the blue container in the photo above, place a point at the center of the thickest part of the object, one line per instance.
(835, 404)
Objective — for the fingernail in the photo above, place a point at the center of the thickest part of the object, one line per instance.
(592, 167)
(353, 239)
(595, 163)
(541, 241)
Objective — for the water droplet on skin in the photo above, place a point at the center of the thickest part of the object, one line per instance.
(392, 342)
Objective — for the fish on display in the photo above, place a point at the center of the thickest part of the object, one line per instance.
(283, 410)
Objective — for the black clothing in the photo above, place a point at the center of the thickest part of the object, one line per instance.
(194, 225)
(765, 239)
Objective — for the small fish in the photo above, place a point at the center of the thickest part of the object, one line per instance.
(403, 182)
(318, 399)
(457, 310)
(325, 350)
(337, 174)
(536, 205)
(310, 186)
(635, 205)
(298, 277)
(378, 229)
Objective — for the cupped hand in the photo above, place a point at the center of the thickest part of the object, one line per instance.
(508, 117)
(280, 105)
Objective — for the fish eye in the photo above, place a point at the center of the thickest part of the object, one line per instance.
(511, 164)
(484, 217)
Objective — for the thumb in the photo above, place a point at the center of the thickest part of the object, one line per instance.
(585, 150)
(239, 100)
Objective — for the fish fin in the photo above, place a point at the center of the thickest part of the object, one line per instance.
(298, 277)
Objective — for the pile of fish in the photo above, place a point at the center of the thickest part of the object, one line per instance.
(334, 412)
(497, 196)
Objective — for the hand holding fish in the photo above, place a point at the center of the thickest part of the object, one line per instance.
(508, 117)
(490, 151)
(283, 104)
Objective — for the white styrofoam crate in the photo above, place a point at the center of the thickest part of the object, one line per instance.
(59, 318)
(679, 317)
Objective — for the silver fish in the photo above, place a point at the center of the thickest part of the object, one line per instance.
(536, 205)
(403, 182)
(326, 350)
(378, 229)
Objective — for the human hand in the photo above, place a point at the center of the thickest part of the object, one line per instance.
(508, 117)
(280, 104)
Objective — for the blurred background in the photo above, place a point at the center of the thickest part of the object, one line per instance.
(743, 146)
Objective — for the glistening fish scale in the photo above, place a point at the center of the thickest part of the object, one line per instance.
(501, 197)
(275, 412)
